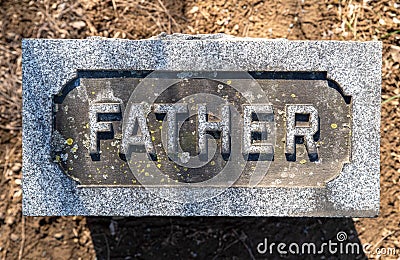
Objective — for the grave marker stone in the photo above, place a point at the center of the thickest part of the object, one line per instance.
(201, 125)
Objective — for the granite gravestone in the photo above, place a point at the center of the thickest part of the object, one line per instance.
(201, 125)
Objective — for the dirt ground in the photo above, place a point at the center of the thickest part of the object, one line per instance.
(190, 238)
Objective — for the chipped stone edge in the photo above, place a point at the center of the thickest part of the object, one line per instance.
(50, 64)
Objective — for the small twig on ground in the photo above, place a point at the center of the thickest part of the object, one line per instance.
(108, 247)
(11, 127)
(5, 165)
(7, 50)
(380, 240)
(6, 250)
(242, 239)
(21, 249)
(166, 11)
(115, 8)
(390, 99)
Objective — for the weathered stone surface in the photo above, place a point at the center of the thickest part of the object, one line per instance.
(323, 98)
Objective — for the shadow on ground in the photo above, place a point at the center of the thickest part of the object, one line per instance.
(222, 237)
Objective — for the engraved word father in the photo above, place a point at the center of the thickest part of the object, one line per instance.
(138, 135)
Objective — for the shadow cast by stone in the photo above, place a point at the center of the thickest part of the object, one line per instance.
(216, 237)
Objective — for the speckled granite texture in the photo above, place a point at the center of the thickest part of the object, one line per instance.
(49, 64)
